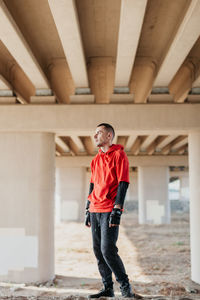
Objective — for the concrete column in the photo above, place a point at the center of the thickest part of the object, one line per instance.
(184, 187)
(132, 192)
(131, 201)
(194, 181)
(70, 191)
(154, 205)
(27, 206)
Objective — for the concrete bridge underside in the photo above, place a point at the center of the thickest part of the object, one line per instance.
(28, 175)
(66, 66)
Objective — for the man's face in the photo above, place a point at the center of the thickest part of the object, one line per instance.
(102, 137)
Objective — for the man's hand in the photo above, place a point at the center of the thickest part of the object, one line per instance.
(115, 216)
(87, 218)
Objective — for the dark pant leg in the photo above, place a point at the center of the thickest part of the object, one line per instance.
(104, 269)
(109, 236)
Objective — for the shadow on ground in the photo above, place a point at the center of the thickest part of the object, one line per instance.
(63, 287)
(163, 254)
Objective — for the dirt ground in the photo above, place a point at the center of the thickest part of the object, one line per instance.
(156, 257)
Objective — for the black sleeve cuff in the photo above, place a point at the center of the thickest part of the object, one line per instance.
(91, 187)
(87, 205)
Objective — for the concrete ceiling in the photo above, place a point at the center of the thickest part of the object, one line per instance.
(102, 51)
(140, 145)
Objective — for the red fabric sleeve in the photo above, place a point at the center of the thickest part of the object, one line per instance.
(122, 167)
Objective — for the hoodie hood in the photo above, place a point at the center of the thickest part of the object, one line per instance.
(113, 147)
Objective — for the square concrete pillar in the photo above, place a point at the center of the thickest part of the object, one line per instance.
(132, 192)
(194, 182)
(131, 200)
(27, 179)
(184, 187)
(154, 207)
(70, 193)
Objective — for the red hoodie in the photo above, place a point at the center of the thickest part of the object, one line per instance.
(108, 169)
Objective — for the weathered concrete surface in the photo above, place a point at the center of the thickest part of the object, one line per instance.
(157, 259)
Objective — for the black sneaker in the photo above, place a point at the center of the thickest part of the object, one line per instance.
(127, 292)
(106, 292)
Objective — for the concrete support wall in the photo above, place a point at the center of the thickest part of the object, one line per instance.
(194, 181)
(184, 187)
(154, 205)
(27, 182)
(132, 192)
(70, 193)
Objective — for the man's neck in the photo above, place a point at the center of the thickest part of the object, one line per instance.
(105, 147)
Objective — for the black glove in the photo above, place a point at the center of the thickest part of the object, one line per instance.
(87, 218)
(115, 216)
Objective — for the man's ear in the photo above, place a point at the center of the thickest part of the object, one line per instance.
(110, 135)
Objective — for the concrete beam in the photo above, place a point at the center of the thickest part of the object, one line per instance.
(179, 173)
(43, 100)
(134, 161)
(62, 144)
(101, 73)
(132, 138)
(135, 148)
(66, 20)
(14, 77)
(181, 149)
(122, 140)
(61, 80)
(19, 49)
(142, 78)
(75, 138)
(83, 119)
(88, 144)
(59, 150)
(7, 100)
(166, 149)
(23, 87)
(187, 77)
(196, 83)
(71, 145)
(131, 19)
(152, 147)
(181, 84)
(181, 45)
(4, 84)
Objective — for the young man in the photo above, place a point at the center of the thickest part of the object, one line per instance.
(108, 185)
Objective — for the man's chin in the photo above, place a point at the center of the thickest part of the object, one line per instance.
(98, 145)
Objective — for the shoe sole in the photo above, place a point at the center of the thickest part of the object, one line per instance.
(88, 297)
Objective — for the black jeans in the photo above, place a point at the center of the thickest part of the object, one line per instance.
(105, 249)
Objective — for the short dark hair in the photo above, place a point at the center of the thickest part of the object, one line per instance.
(108, 128)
